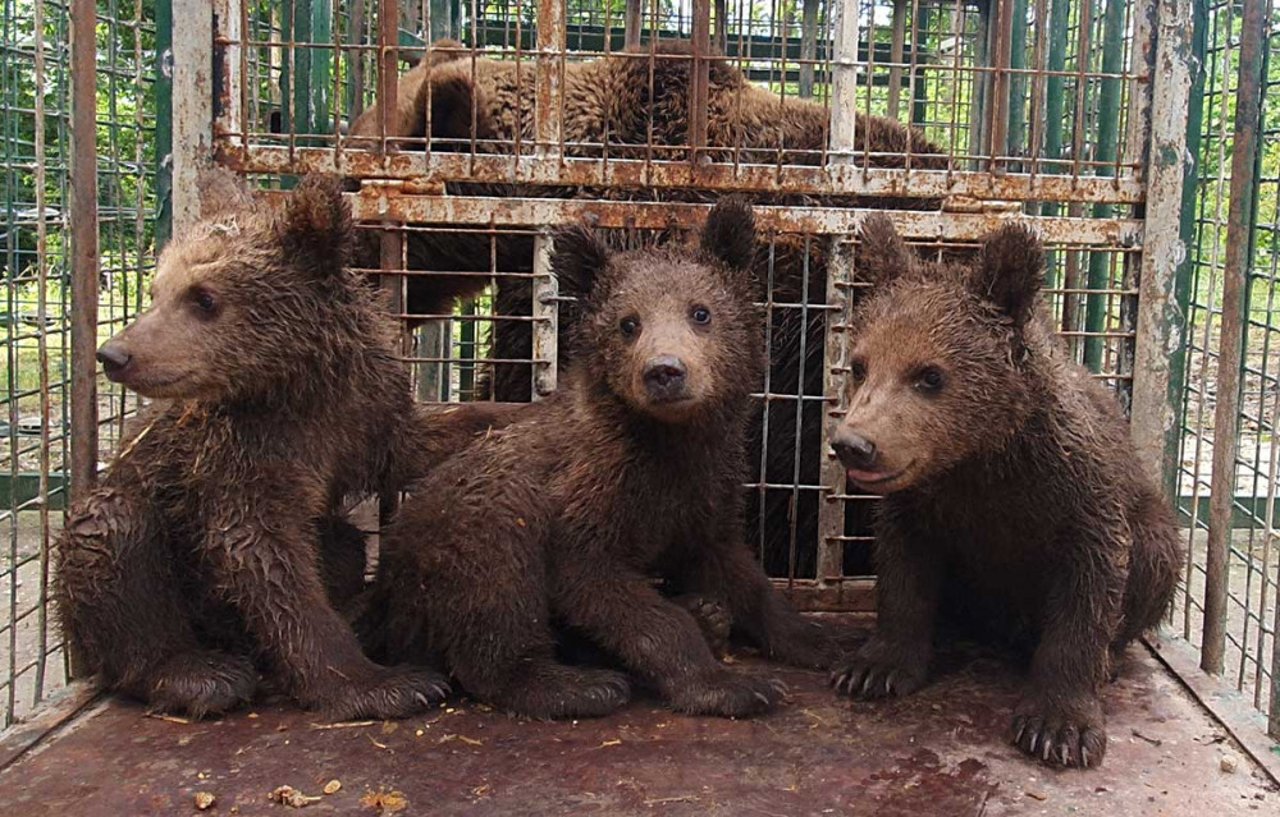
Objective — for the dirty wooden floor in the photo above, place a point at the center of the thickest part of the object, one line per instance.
(941, 752)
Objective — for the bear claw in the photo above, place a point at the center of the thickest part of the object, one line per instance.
(1066, 735)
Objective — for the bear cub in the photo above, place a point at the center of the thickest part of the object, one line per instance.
(1010, 487)
(632, 471)
(214, 544)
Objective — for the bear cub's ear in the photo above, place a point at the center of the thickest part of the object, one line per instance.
(1010, 271)
(580, 256)
(729, 235)
(881, 255)
(316, 232)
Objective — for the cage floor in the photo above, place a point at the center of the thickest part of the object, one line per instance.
(941, 752)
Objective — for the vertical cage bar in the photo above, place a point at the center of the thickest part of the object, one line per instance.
(831, 509)
(388, 69)
(699, 78)
(897, 46)
(551, 45)
(84, 248)
(192, 106)
(228, 53)
(1160, 357)
(162, 87)
(632, 23)
(998, 115)
(1105, 151)
(545, 317)
(1017, 132)
(808, 47)
(1235, 287)
(844, 80)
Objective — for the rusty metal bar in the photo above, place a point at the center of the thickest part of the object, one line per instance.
(809, 47)
(1157, 393)
(699, 78)
(1235, 290)
(633, 23)
(840, 272)
(835, 179)
(547, 81)
(388, 69)
(545, 317)
(381, 202)
(998, 113)
(84, 266)
(193, 89)
(844, 82)
(84, 249)
(897, 44)
(229, 66)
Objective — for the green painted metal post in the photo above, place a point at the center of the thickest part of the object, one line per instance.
(1185, 274)
(1059, 17)
(1095, 317)
(162, 87)
(920, 91)
(1017, 137)
(306, 80)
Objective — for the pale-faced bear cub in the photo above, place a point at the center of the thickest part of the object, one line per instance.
(631, 471)
(1010, 486)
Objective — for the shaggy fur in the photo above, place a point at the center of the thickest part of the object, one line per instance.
(608, 102)
(615, 105)
(278, 397)
(630, 471)
(1010, 484)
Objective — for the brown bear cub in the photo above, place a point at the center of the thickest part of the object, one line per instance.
(1009, 481)
(631, 471)
(205, 550)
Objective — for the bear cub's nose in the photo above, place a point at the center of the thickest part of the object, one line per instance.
(854, 450)
(664, 377)
(113, 357)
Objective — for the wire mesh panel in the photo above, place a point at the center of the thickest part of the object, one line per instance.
(1228, 608)
(36, 235)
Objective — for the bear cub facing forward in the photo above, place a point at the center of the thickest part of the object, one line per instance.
(631, 471)
(215, 543)
(1010, 486)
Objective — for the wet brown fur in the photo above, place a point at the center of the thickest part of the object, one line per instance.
(564, 518)
(205, 550)
(1010, 482)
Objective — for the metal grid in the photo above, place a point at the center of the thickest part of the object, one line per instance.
(1228, 469)
(43, 222)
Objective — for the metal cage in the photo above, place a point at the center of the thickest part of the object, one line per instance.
(1069, 114)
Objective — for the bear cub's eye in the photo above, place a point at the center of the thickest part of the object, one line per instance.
(858, 371)
(701, 315)
(204, 300)
(629, 326)
(930, 380)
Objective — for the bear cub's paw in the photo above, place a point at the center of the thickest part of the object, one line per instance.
(1061, 730)
(388, 693)
(805, 644)
(202, 682)
(728, 694)
(713, 619)
(554, 691)
(879, 670)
